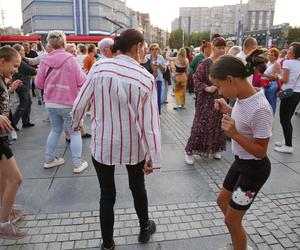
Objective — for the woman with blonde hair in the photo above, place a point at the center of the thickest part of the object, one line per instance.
(180, 78)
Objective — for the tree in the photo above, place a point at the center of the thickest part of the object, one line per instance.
(196, 38)
(175, 40)
(294, 34)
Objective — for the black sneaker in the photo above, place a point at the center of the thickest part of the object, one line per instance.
(39, 102)
(110, 248)
(28, 125)
(145, 233)
(86, 135)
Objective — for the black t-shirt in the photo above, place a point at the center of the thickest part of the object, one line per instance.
(31, 54)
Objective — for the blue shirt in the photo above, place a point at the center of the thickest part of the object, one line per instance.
(161, 61)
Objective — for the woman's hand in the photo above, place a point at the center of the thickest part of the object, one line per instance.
(16, 84)
(228, 125)
(211, 89)
(148, 168)
(5, 124)
(221, 105)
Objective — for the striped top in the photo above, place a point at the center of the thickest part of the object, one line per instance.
(253, 118)
(125, 122)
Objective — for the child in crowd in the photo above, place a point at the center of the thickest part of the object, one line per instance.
(250, 127)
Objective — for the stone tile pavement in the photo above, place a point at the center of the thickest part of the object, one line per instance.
(63, 207)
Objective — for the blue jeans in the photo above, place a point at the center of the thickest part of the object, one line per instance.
(159, 88)
(58, 117)
(271, 95)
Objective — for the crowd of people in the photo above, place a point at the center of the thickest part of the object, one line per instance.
(123, 88)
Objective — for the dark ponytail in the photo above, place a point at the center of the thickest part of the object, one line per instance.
(127, 39)
(232, 66)
(228, 65)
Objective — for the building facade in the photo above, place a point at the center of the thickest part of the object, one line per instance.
(255, 15)
(79, 17)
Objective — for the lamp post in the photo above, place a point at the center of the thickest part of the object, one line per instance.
(240, 26)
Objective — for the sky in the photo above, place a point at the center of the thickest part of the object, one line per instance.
(163, 12)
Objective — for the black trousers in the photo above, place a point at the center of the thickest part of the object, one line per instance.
(24, 108)
(106, 179)
(286, 112)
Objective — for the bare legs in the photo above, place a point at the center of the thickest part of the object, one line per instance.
(10, 179)
(233, 220)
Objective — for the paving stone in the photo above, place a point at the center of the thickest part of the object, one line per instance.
(67, 245)
(270, 239)
(286, 242)
(40, 246)
(205, 232)
(94, 243)
(256, 238)
(62, 237)
(50, 237)
(80, 244)
(170, 236)
(75, 236)
(181, 235)
(54, 245)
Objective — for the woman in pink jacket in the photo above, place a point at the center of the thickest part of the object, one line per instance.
(60, 76)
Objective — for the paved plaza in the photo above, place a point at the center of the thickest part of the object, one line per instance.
(63, 207)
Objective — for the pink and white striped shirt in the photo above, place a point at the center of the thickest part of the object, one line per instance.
(125, 123)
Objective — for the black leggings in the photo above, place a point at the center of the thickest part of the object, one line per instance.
(286, 112)
(106, 179)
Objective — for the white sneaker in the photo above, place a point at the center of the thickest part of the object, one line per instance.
(56, 162)
(217, 156)
(279, 143)
(189, 159)
(83, 166)
(284, 149)
(14, 135)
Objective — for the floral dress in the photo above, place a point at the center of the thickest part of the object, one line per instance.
(207, 137)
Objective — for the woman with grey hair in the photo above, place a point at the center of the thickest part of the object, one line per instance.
(60, 76)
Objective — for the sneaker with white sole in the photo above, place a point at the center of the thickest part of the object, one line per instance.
(284, 149)
(217, 156)
(78, 169)
(279, 143)
(189, 159)
(56, 162)
(10, 232)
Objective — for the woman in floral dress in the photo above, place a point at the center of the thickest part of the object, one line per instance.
(207, 138)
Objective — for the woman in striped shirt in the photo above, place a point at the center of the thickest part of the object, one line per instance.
(250, 127)
(122, 96)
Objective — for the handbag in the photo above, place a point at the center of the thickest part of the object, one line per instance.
(287, 92)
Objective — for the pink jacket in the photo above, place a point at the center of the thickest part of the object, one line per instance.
(60, 76)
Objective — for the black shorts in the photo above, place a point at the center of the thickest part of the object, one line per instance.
(244, 179)
(4, 148)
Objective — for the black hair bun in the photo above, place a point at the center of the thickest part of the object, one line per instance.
(117, 44)
(257, 60)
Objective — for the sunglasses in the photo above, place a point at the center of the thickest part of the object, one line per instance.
(154, 49)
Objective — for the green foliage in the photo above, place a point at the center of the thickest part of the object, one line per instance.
(194, 39)
(294, 34)
(175, 40)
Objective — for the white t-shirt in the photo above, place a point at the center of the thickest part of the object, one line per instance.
(253, 118)
(294, 75)
(80, 59)
(243, 56)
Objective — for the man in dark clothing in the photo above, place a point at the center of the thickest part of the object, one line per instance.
(25, 72)
(29, 53)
